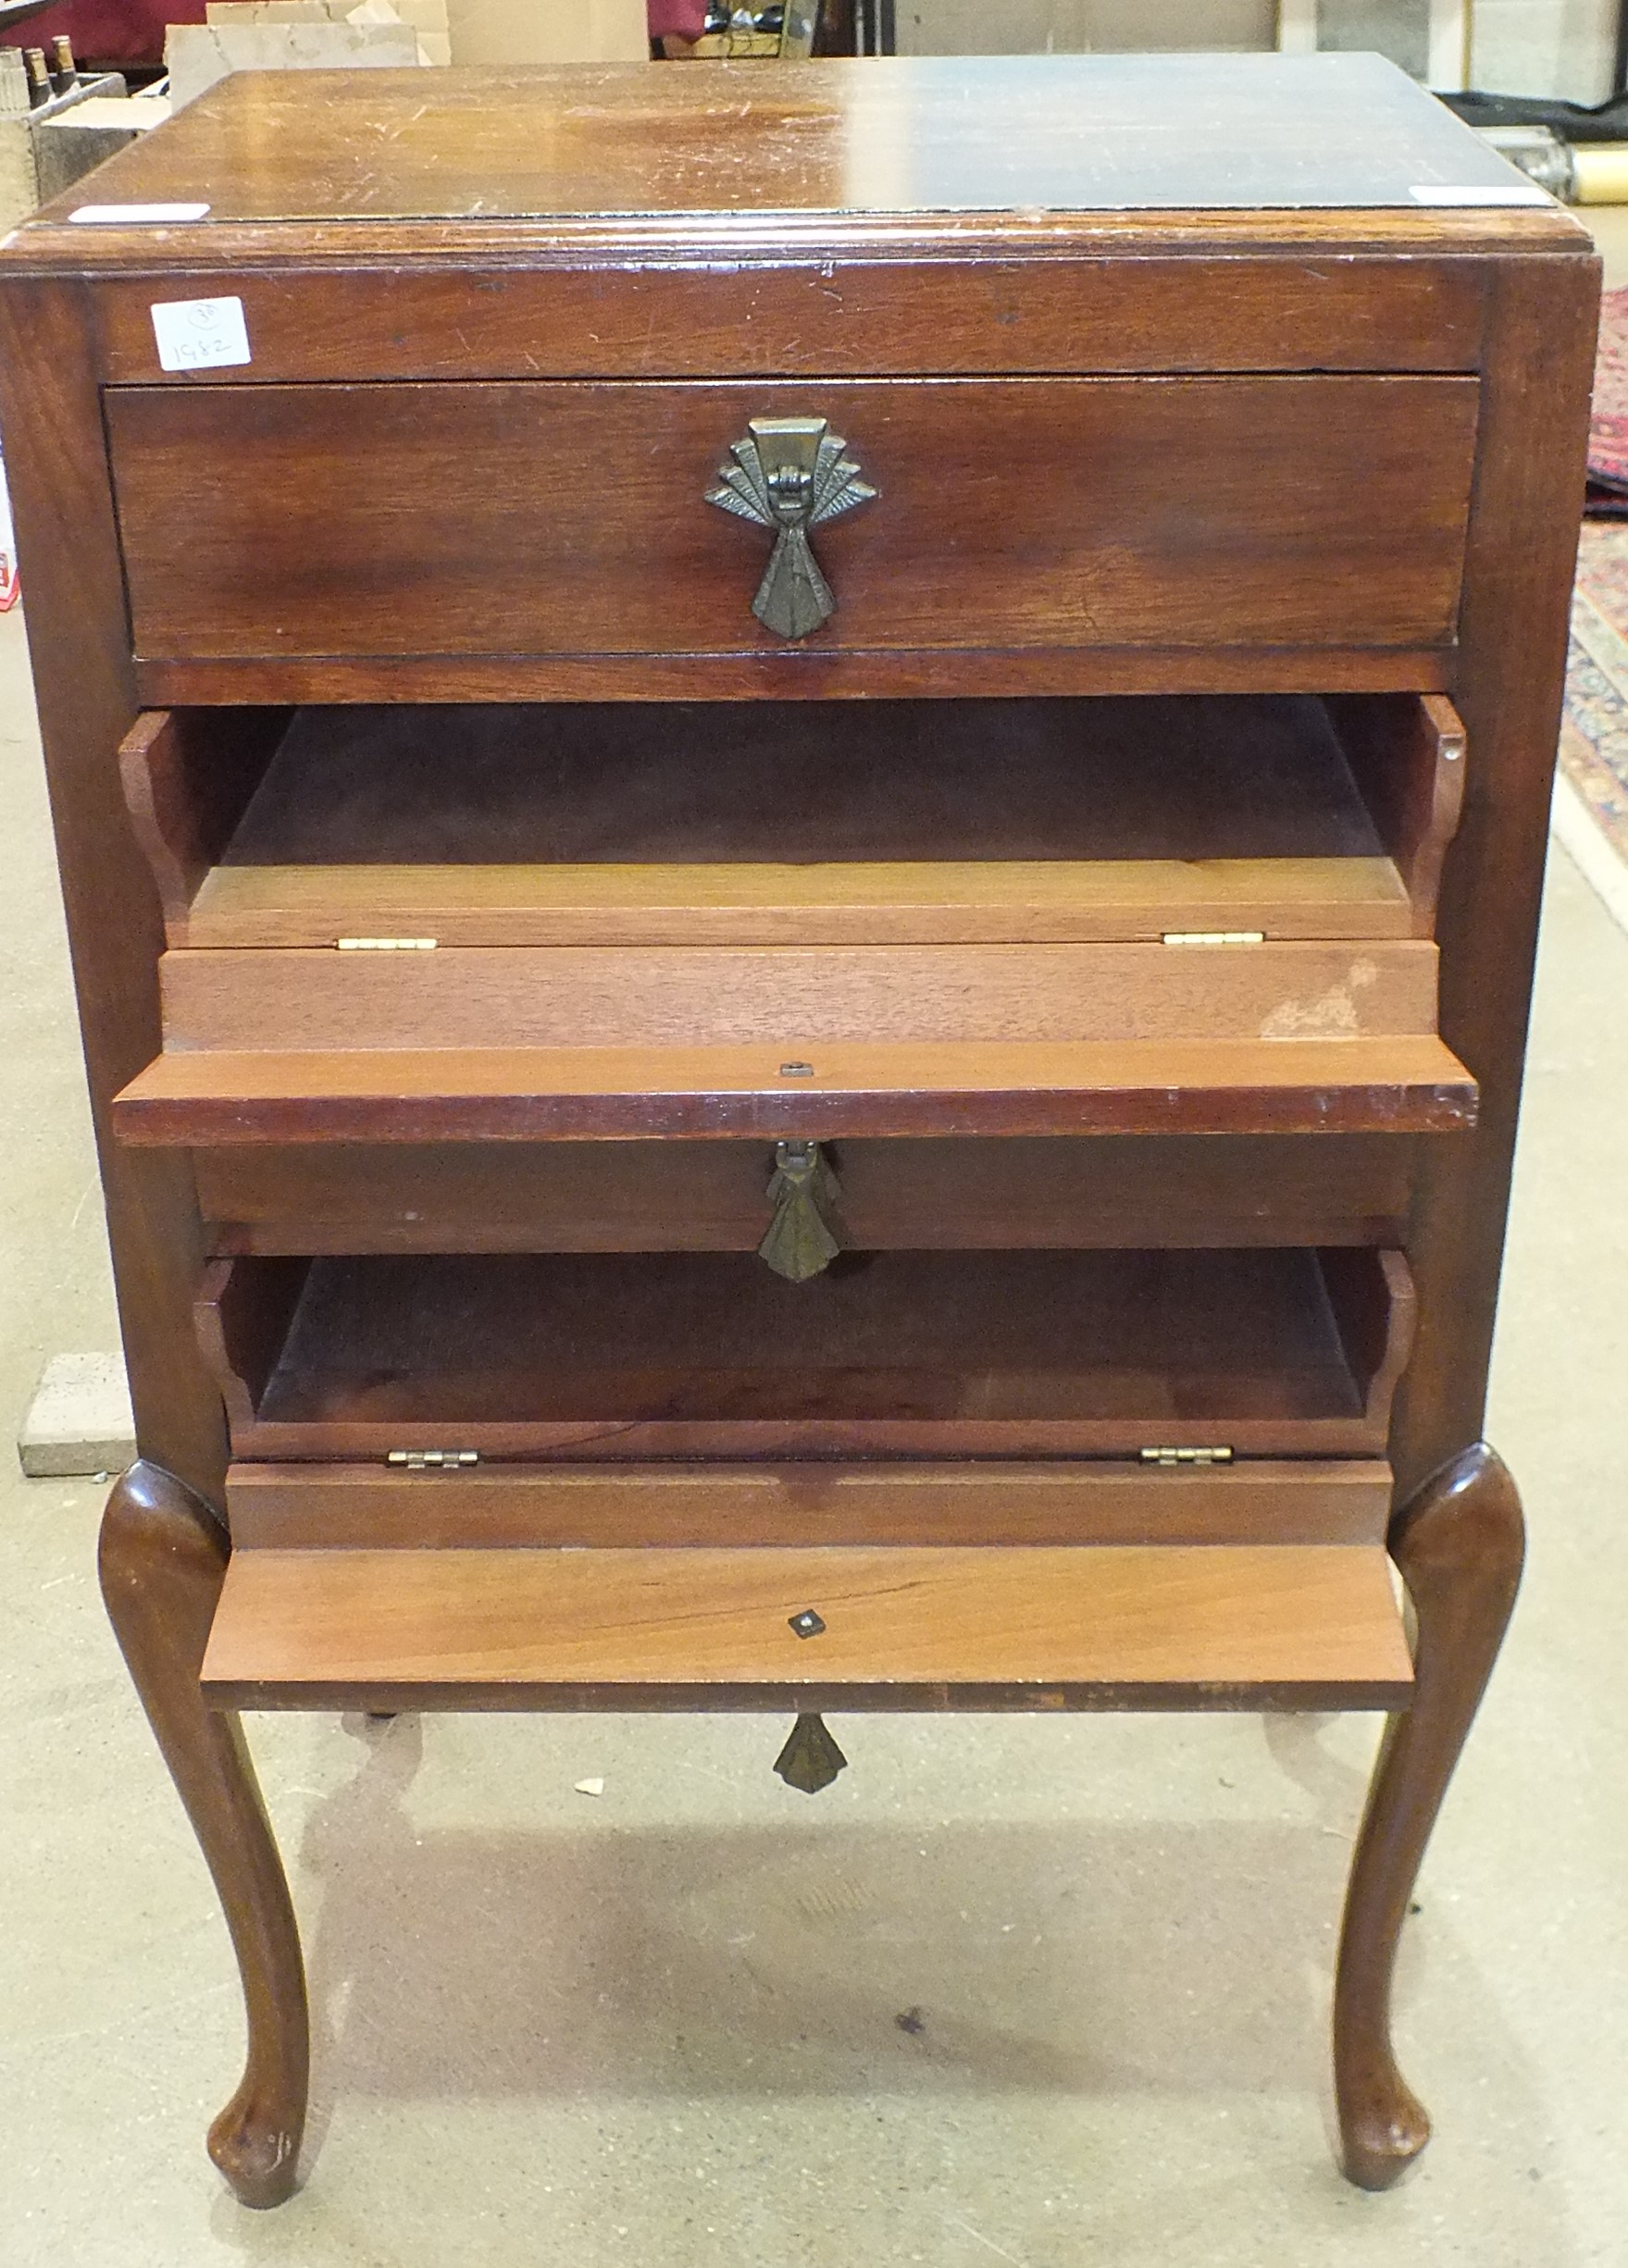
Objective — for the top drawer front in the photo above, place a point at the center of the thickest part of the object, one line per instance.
(560, 519)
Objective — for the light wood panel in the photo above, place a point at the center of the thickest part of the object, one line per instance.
(1408, 1084)
(926, 903)
(794, 997)
(360, 1508)
(1028, 1628)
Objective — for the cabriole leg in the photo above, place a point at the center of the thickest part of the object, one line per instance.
(1459, 1544)
(163, 1560)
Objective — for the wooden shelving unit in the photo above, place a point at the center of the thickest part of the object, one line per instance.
(1111, 833)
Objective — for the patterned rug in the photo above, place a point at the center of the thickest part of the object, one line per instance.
(1591, 793)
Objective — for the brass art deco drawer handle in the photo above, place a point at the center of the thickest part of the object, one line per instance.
(790, 474)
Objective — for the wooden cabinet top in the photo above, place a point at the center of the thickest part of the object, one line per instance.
(1046, 154)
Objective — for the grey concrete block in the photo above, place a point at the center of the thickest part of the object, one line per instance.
(79, 1419)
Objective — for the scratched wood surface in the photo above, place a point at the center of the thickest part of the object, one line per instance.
(1406, 1084)
(930, 1627)
(1319, 144)
(793, 997)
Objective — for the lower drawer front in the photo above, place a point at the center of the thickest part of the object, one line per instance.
(712, 1196)
(368, 1509)
(932, 1627)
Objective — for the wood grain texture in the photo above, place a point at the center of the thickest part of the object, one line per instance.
(960, 1192)
(932, 902)
(1047, 512)
(1523, 546)
(1459, 1544)
(600, 163)
(1037, 1628)
(79, 643)
(359, 1507)
(895, 310)
(1409, 760)
(162, 1561)
(187, 777)
(792, 999)
(1026, 1353)
(243, 1320)
(1398, 1085)
(809, 673)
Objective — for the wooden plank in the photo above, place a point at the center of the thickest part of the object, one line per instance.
(362, 1507)
(1031, 1627)
(1517, 599)
(930, 902)
(78, 642)
(1408, 1084)
(1002, 1195)
(1409, 759)
(891, 313)
(810, 672)
(1023, 512)
(186, 779)
(793, 999)
(1318, 152)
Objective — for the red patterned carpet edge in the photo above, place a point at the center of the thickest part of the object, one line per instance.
(1608, 424)
(1591, 796)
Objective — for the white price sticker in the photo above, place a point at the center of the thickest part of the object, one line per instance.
(1435, 192)
(200, 334)
(127, 215)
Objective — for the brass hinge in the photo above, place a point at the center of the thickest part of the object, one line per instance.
(1214, 937)
(386, 945)
(1186, 1457)
(432, 1460)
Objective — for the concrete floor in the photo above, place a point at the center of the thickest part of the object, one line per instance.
(663, 2025)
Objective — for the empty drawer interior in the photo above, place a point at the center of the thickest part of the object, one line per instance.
(816, 822)
(1292, 1351)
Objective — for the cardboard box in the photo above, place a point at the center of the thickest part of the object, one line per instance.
(424, 15)
(548, 31)
(198, 54)
(74, 141)
(1083, 26)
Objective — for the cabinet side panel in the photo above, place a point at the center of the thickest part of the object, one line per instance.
(1510, 678)
(80, 643)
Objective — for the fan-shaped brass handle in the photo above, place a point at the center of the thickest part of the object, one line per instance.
(788, 474)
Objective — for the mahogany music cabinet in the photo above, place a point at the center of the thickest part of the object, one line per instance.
(801, 812)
